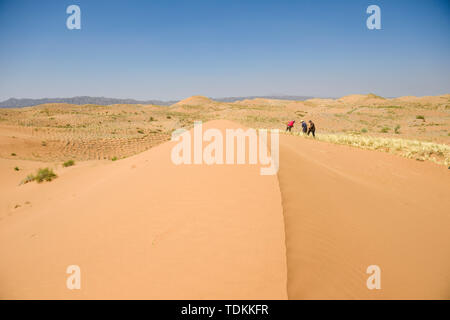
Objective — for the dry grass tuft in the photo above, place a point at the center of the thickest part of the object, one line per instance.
(411, 149)
(42, 175)
(68, 163)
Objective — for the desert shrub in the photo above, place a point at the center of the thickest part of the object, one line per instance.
(364, 130)
(42, 175)
(140, 131)
(16, 169)
(385, 129)
(420, 117)
(397, 129)
(412, 149)
(114, 158)
(68, 163)
(169, 117)
(45, 174)
(29, 178)
(393, 107)
(151, 119)
(13, 154)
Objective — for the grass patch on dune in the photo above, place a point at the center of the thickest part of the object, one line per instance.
(381, 107)
(411, 149)
(68, 163)
(393, 107)
(45, 174)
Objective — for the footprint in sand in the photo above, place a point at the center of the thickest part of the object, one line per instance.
(18, 206)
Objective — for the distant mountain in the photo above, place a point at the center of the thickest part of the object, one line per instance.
(19, 103)
(233, 99)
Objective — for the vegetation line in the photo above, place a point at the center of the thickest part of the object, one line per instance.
(411, 149)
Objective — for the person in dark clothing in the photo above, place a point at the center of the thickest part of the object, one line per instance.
(312, 129)
(290, 124)
(304, 126)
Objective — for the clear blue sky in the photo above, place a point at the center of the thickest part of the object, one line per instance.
(167, 49)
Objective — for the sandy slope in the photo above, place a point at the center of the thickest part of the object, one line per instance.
(145, 228)
(194, 100)
(346, 209)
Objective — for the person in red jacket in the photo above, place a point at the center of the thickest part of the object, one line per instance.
(290, 125)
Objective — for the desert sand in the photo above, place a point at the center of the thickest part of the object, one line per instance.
(58, 132)
(346, 209)
(147, 229)
(143, 228)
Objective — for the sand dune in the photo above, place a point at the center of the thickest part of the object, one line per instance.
(346, 209)
(194, 100)
(59, 132)
(361, 98)
(426, 100)
(144, 228)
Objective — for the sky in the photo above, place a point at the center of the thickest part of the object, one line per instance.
(172, 49)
